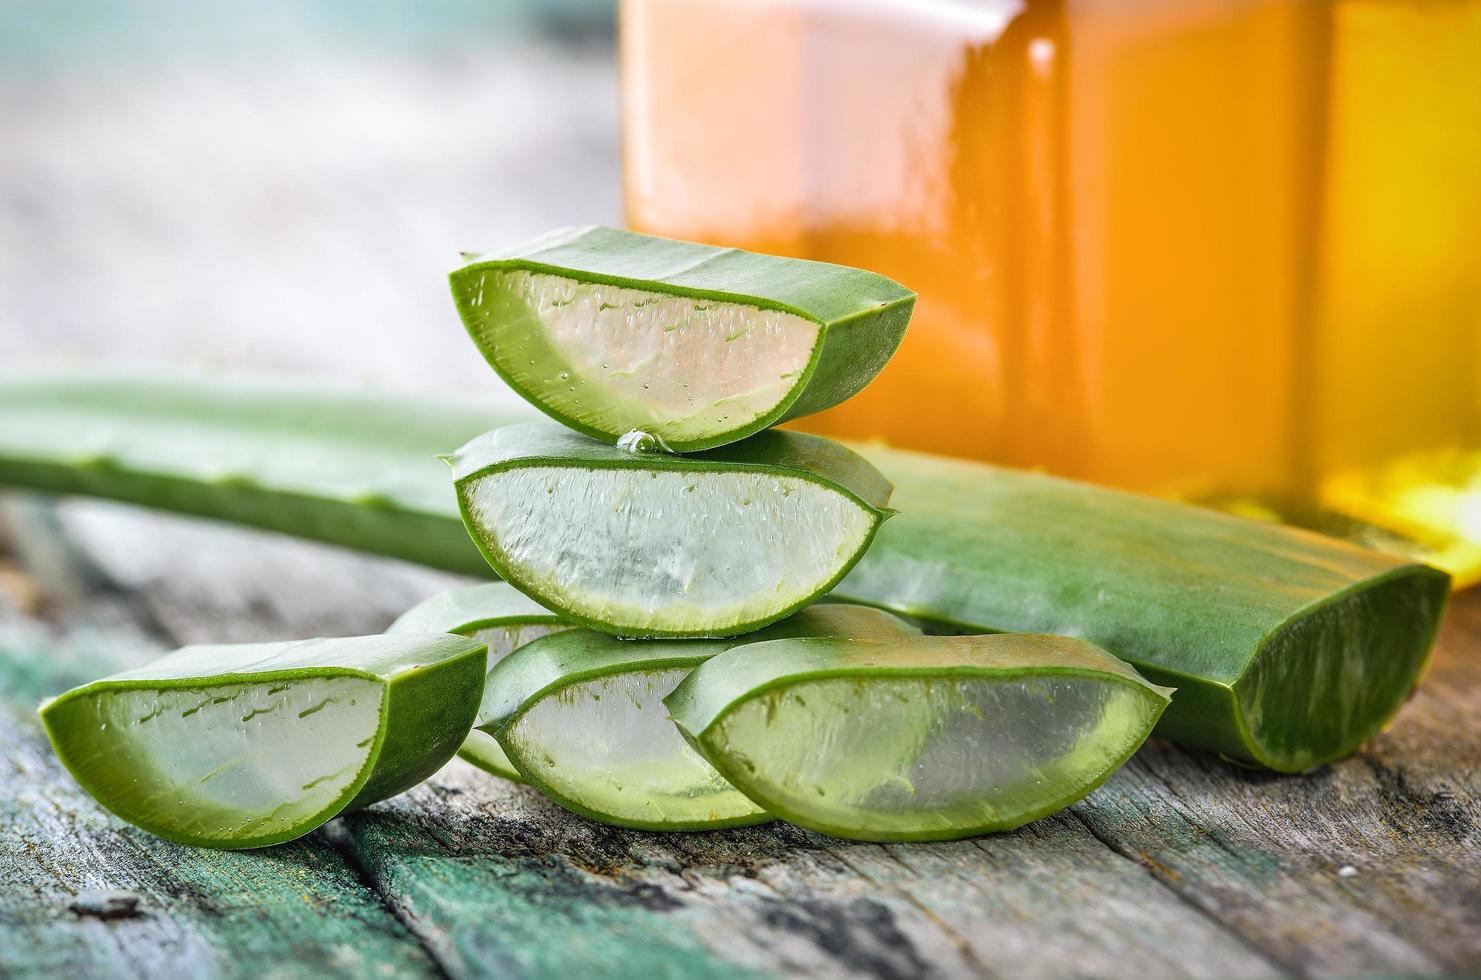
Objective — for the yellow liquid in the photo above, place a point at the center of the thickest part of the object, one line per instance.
(1226, 250)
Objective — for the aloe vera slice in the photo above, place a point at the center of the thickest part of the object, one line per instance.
(651, 544)
(255, 744)
(610, 332)
(1288, 648)
(581, 716)
(914, 737)
(498, 616)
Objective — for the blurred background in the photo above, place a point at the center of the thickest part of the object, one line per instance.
(1222, 250)
(281, 187)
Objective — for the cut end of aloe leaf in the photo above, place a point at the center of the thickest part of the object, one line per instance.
(1331, 678)
(615, 359)
(256, 744)
(612, 332)
(650, 544)
(478, 748)
(585, 724)
(923, 738)
(605, 748)
(498, 616)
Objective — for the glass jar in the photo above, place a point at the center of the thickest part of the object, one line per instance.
(1223, 250)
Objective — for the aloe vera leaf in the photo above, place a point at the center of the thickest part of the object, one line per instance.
(498, 616)
(254, 744)
(609, 331)
(349, 469)
(916, 737)
(652, 544)
(581, 716)
(1287, 648)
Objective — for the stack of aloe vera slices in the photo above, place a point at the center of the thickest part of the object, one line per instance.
(658, 657)
(667, 514)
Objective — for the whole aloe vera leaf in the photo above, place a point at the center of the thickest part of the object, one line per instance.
(609, 331)
(916, 737)
(581, 716)
(255, 744)
(1287, 648)
(356, 470)
(709, 544)
(498, 616)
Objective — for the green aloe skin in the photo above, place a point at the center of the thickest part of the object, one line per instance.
(916, 737)
(347, 469)
(631, 542)
(581, 716)
(254, 744)
(611, 332)
(1287, 648)
(498, 616)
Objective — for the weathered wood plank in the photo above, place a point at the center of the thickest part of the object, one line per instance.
(491, 874)
(294, 911)
(1181, 865)
(1372, 864)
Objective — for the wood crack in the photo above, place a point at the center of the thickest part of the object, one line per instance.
(941, 925)
(1246, 942)
(333, 836)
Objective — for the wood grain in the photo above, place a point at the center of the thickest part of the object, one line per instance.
(1181, 865)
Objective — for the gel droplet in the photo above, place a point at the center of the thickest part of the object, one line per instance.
(638, 441)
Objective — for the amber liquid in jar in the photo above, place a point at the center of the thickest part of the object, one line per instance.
(1223, 250)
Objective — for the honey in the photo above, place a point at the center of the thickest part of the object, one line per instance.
(1223, 250)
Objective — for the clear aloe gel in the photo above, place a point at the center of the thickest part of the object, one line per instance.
(581, 716)
(611, 332)
(915, 737)
(652, 544)
(255, 744)
(498, 616)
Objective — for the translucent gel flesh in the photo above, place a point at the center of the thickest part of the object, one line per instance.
(907, 756)
(667, 550)
(226, 761)
(481, 748)
(621, 359)
(608, 745)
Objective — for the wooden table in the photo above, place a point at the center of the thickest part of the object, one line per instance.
(1180, 865)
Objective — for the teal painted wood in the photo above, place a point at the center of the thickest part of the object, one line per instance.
(1181, 864)
(82, 894)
